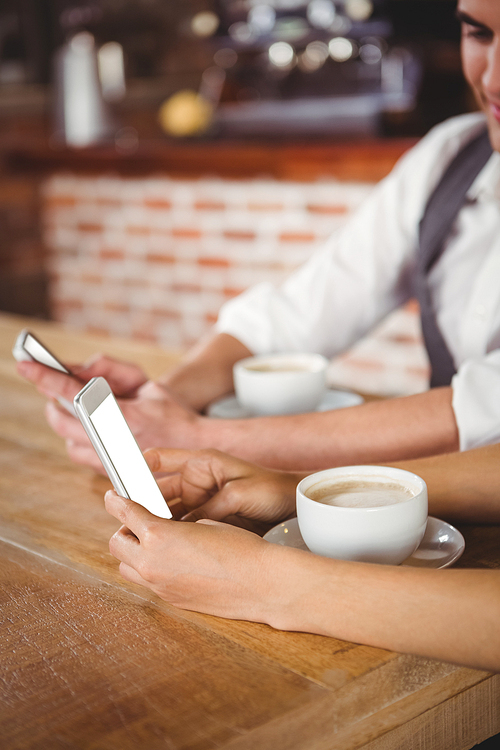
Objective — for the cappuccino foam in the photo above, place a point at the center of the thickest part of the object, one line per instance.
(278, 368)
(358, 493)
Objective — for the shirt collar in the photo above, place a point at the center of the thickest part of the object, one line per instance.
(486, 186)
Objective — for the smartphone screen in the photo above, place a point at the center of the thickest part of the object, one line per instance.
(40, 354)
(125, 455)
(28, 348)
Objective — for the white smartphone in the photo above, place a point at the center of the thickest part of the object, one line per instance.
(28, 348)
(109, 433)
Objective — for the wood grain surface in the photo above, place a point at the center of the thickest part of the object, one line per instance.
(91, 661)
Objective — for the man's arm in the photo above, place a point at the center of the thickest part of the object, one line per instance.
(376, 432)
(206, 373)
(344, 289)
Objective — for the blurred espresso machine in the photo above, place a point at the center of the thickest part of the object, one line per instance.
(311, 67)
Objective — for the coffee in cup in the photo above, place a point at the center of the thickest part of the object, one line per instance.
(365, 513)
(280, 383)
(353, 493)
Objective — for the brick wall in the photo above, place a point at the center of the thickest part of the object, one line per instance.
(155, 258)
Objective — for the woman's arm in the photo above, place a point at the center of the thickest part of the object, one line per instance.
(452, 615)
(216, 568)
(462, 486)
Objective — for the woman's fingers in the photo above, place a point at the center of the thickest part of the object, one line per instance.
(190, 476)
(214, 485)
(219, 506)
(133, 516)
(207, 469)
(131, 575)
(166, 460)
(206, 480)
(205, 566)
(124, 545)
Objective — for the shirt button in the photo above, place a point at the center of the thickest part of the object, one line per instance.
(480, 312)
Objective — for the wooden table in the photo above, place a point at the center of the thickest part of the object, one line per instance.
(90, 661)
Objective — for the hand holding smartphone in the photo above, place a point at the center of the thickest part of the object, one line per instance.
(28, 348)
(104, 423)
(114, 443)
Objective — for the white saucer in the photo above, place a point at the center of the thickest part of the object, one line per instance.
(229, 408)
(441, 546)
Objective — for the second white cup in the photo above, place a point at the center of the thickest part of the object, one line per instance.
(280, 383)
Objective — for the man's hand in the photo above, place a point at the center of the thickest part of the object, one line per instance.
(124, 378)
(214, 485)
(49, 382)
(154, 416)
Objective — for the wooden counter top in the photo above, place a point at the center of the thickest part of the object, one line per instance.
(91, 661)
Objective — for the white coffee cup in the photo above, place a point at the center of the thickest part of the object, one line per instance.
(382, 533)
(280, 383)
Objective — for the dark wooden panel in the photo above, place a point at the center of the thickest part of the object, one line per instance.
(365, 161)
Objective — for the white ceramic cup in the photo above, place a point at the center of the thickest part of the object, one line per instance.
(280, 383)
(383, 534)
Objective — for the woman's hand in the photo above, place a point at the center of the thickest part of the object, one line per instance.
(214, 485)
(221, 570)
(206, 566)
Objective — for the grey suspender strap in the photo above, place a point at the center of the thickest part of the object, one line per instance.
(440, 213)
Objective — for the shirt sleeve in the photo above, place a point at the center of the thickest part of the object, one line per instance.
(361, 274)
(476, 401)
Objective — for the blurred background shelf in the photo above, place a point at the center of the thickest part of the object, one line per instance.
(402, 54)
(368, 160)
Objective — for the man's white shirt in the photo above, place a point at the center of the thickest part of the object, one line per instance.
(365, 271)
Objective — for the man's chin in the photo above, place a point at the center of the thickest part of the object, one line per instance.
(493, 131)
